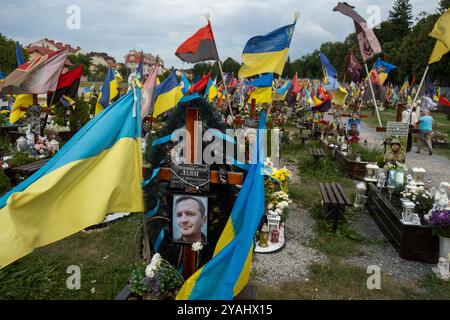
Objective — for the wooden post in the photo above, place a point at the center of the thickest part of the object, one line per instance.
(399, 112)
(191, 118)
(253, 109)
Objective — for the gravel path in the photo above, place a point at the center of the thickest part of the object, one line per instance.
(383, 254)
(292, 262)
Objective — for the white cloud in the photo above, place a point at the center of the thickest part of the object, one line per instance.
(160, 26)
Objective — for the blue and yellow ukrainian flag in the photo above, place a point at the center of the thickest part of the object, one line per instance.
(308, 97)
(383, 68)
(97, 172)
(67, 101)
(110, 89)
(405, 86)
(263, 91)
(167, 94)
(268, 53)
(186, 84)
(227, 273)
(211, 91)
(280, 94)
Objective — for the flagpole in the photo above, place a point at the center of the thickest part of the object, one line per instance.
(207, 16)
(418, 90)
(373, 94)
(296, 15)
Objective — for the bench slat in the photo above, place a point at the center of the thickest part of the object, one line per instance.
(338, 195)
(330, 194)
(323, 191)
(344, 195)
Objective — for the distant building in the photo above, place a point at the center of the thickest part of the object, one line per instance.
(55, 45)
(45, 46)
(133, 58)
(101, 58)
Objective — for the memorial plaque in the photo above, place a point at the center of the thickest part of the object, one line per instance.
(190, 176)
(397, 129)
(251, 123)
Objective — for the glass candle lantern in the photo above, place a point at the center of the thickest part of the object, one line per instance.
(419, 175)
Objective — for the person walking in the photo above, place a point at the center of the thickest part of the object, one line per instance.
(426, 130)
(409, 116)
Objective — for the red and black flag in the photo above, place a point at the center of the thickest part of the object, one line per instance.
(200, 47)
(68, 84)
(200, 86)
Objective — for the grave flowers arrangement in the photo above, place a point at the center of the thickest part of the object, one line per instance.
(158, 280)
(283, 176)
(439, 220)
(397, 166)
(279, 204)
(276, 188)
(421, 198)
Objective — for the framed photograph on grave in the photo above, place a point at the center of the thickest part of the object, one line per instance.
(353, 129)
(396, 141)
(190, 218)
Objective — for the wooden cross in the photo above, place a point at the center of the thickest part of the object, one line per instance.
(165, 174)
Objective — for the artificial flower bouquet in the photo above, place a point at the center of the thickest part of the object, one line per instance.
(158, 280)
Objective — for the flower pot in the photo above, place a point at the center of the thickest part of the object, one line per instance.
(444, 246)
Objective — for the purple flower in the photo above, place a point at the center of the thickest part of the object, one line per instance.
(439, 218)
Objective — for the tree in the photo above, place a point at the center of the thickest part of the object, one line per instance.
(100, 72)
(124, 71)
(8, 60)
(81, 59)
(443, 5)
(231, 66)
(288, 71)
(401, 17)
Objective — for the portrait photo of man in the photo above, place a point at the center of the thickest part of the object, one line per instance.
(189, 221)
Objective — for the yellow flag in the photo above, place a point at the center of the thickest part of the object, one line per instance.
(439, 50)
(213, 92)
(441, 30)
(339, 96)
(317, 101)
(22, 100)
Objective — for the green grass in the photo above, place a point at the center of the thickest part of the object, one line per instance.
(337, 281)
(106, 258)
(372, 120)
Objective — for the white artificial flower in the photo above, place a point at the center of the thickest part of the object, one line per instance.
(197, 246)
(270, 206)
(279, 211)
(149, 270)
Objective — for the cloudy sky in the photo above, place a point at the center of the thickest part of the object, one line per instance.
(160, 26)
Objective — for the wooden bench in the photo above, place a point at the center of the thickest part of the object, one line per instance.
(317, 154)
(26, 170)
(303, 138)
(334, 202)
